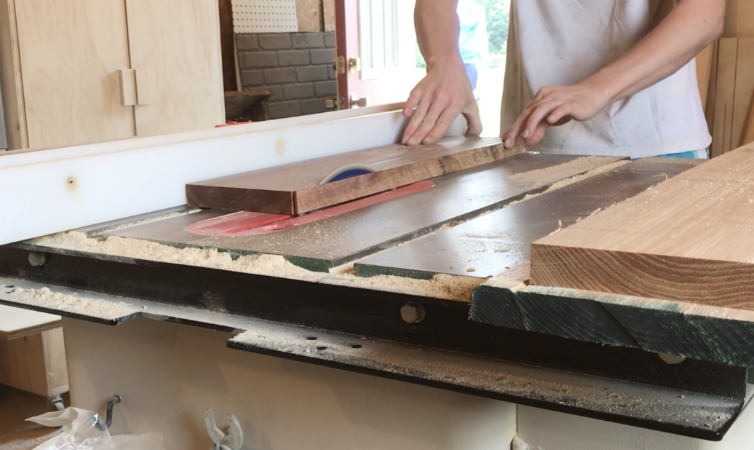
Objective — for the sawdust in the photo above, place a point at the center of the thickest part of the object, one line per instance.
(143, 220)
(537, 176)
(440, 286)
(190, 256)
(72, 303)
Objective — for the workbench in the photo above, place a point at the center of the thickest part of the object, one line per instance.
(386, 327)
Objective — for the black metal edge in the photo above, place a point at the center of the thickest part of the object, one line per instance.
(692, 422)
(360, 311)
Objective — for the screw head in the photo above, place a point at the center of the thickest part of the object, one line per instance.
(413, 313)
(36, 259)
(671, 360)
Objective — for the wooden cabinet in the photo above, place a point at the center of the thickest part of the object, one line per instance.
(76, 71)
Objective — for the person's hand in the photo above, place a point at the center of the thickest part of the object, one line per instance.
(437, 100)
(553, 106)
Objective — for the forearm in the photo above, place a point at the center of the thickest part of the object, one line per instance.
(687, 29)
(445, 91)
(436, 24)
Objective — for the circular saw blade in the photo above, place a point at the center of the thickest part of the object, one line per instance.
(346, 171)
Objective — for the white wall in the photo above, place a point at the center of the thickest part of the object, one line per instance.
(547, 430)
(168, 374)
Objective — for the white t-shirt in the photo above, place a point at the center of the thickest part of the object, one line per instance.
(561, 42)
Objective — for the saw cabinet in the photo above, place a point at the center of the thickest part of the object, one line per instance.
(76, 71)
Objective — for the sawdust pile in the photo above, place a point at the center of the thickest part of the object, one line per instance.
(560, 171)
(189, 256)
(533, 177)
(441, 286)
(73, 303)
(448, 287)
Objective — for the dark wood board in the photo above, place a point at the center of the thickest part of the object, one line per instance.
(500, 240)
(296, 189)
(338, 240)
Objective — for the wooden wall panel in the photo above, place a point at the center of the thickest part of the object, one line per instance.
(749, 130)
(704, 63)
(734, 87)
(725, 82)
(309, 15)
(739, 18)
(328, 13)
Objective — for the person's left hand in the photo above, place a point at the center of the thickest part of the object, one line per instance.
(437, 100)
(553, 106)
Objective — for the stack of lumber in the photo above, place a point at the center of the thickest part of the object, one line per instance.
(725, 72)
(687, 239)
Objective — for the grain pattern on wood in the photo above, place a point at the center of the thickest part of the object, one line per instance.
(295, 188)
(687, 239)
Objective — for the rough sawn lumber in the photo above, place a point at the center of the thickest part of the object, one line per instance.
(296, 189)
(686, 239)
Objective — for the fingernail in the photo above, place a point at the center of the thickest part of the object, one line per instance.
(526, 134)
(508, 143)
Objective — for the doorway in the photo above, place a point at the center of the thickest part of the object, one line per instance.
(379, 62)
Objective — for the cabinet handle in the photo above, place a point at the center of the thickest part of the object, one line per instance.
(127, 85)
(142, 88)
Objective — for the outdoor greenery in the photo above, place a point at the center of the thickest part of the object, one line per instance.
(498, 12)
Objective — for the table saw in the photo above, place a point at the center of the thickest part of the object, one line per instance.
(405, 323)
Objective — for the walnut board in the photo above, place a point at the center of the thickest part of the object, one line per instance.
(295, 189)
(686, 239)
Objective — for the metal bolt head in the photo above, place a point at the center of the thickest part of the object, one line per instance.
(671, 360)
(36, 259)
(413, 313)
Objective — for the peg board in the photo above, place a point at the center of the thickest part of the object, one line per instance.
(264, 16)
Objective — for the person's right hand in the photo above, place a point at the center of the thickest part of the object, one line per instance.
(436, 101)
(553, 106)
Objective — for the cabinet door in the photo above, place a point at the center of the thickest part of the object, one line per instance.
(175, 52)
(70, 52)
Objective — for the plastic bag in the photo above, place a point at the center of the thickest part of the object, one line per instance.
(80, 431)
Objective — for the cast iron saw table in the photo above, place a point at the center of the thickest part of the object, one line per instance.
(419, 289)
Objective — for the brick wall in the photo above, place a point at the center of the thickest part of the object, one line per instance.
(296, 67)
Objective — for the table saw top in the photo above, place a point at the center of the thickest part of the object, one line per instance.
(440, 256)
